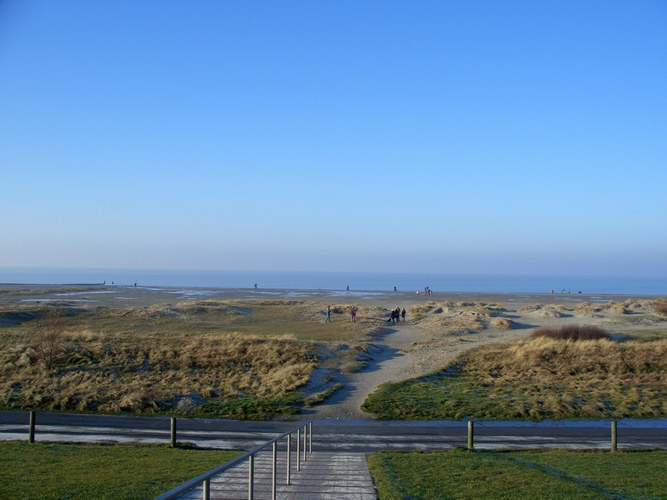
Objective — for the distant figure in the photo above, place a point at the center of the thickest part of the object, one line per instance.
(394, 288)
(353, 314)
(255, 286)
(348, 288)
(328, 320)
(403, 315)
(135, 284)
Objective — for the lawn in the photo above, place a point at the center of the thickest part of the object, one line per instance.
(125, 472)
(461, 474)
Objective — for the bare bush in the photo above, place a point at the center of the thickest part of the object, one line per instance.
(661, 308)
(572, 332)
(49, 343)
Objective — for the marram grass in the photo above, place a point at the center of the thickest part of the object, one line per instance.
(536, 379)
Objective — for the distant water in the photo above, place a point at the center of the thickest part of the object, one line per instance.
(340, 280)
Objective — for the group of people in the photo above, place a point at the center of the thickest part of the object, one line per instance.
(396, 315)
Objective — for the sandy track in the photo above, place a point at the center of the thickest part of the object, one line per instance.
(401, 354)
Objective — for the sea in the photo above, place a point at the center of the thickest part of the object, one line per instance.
(356, 281)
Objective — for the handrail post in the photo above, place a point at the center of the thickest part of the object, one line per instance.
(305, 432)
(206, 489)
(289, 458)
(31, 428)
(310, 438)
(471, 434)
(251, 466)
(273, 470)
(298, 455)
(613, 436)
(173, 432)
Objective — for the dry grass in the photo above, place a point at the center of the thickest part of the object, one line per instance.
(537, 378)
(169, 358)
(587, 362)
(113, 373)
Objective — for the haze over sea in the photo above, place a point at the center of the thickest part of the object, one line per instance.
(313, 280)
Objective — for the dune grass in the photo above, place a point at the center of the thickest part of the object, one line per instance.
(121, 471)
(537, 378)
(460, 474)
(220, 375)
(234, 359)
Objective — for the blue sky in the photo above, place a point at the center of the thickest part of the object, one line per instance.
(474, 136)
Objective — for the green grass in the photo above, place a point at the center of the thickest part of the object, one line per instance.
(460, 474)
(77, 471)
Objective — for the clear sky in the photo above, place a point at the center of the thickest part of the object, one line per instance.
(438, 136)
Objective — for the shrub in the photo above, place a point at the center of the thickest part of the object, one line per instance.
(661, 308)
(572, 332)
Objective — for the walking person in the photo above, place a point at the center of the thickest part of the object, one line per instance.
(403, 315)
(353, 314)
(328, 320)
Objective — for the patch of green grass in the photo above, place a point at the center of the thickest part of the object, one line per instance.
(249, 408)
(42, 470)
(460, 474)
(322, 396)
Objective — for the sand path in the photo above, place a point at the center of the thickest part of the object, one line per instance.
(405, 352)
(388, 364)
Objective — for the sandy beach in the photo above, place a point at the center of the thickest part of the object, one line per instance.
(438, 326)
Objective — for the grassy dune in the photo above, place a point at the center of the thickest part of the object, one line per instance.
(536, 378)
(238, 359)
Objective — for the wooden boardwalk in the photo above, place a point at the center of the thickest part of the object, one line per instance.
(324, 475)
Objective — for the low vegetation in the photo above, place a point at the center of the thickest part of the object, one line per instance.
(72, 471)
(537, 378)
(234, 359)
(572, 332)
(460, 474)
(661, 308)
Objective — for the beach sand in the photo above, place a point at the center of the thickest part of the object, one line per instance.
(438, 327)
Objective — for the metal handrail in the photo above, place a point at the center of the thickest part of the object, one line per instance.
(204, 479)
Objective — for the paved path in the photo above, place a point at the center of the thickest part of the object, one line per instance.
(336, 435)
(324, 475)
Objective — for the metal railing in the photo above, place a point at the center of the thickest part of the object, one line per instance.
(304, 433)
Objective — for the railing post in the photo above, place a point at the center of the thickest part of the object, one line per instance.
(251, 464)
(310, 438)
(206, 489)
(289, 458)
(173, 433)
(305, 432)
(31, 428)
(613, 436)
(471, 435)
(273, 470)
(298, 456)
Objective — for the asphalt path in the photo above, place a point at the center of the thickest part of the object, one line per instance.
(337, 435)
